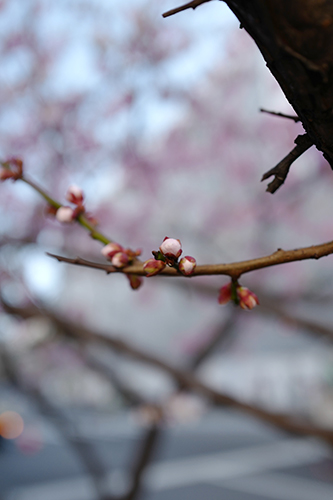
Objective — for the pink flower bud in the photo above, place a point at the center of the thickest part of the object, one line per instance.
(171, 247)
(5, 174)
(111, 249)
(135, 281)
(119, 260)
(65, 214)
(247, 299)
(187, 265)
(225, 294)
(153, 266)
(13, 168)
(74, 195)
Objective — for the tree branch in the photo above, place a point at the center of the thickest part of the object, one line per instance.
(182, 377)
(234, 270)
(295, 38)
(281, 170)
(191, 5)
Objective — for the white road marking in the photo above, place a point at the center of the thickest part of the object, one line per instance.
(212, 468)
(235, 463)
(281, 487)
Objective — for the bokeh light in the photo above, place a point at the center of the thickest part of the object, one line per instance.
(11, 425)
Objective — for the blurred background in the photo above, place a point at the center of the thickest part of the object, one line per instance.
(158, 121)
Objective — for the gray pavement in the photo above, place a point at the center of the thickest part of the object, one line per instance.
(225, 455)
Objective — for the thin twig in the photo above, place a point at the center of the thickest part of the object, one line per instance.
(281, 170)
(191, 5)
(295, 118)
(182, 377)
(234, 269)
(81, 219)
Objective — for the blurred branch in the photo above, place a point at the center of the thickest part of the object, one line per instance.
(85, 451)
(182, 377)
(151, 435)
(221, 334)
(275, 304)
(282, 115)
(191, 5)
(313, 327)
(281, 170)
(131, 396)
(234, 270)
(142, 460)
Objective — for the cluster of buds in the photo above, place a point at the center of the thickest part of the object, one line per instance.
(119, 256)
(168, 255)
(11, 169)
(240, 295)
(68, 214)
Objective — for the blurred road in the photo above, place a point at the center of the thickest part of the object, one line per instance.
(224, 455)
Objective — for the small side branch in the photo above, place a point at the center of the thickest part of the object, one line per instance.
(282, 115)
(281, 170)
(191, 5)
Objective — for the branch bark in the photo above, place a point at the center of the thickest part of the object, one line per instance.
(234, 269)
(295, 38)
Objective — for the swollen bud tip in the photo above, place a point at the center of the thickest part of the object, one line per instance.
(65, 214)
(171, 248)
(241, 296)
(187, 265)
(152, 267)
(74, 195)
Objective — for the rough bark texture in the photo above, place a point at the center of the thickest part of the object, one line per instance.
(295, 38)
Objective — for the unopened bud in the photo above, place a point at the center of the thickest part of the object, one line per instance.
(5, 174)
(119, 260)
(171, 247)
(187, 265)
(152, 267)
(12, 168)
(111, 249)
(65, 214)
(247, 299)
(74, 195)
(135, 281)
(225, 294)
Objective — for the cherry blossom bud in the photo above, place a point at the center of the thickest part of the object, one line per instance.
(74, 195)
(111, 249)
(50, 210)
(152, 267)
(5, 174)
(247, 299)
(171, 248)
(135, 281)
(65, 214)
(225, 294)
(119, 260)
(12, 168)
(187, 265)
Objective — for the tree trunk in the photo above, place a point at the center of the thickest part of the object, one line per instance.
(295, 38)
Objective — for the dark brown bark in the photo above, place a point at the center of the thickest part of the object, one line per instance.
(295, 38)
